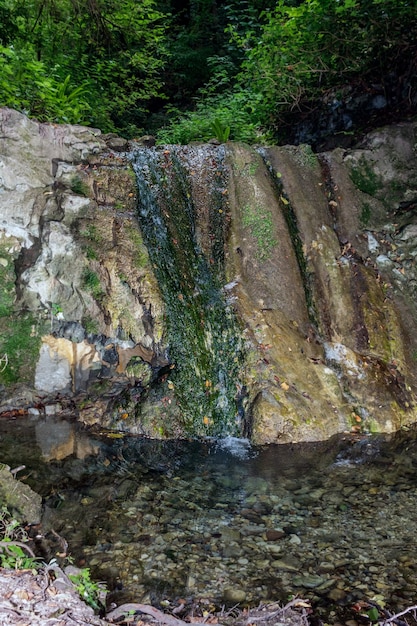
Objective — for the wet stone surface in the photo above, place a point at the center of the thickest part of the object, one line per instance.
(333, 522)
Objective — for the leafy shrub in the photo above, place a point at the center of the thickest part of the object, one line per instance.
(238, 111)
(304, 50)
(14, 553)
(27, 85)
(87, 589)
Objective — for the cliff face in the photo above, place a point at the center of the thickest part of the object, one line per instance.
(327, 290)
(317, 258)
(81, 324)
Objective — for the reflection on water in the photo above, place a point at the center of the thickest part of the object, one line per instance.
(333, 521)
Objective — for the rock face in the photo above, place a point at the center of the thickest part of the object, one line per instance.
(318, 257)
(20, 500)
(80, 312)
(326, 285)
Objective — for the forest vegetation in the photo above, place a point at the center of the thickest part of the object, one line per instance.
(189, 69)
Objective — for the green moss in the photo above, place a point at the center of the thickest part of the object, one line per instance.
(20, 332)
(246, 170)
(365, 215)
(203, 338)
(78, 186)
(141, 257)
(91, 254)
(20, 341)
(305, 156)
(91, 282)
(91, 233)
(364, 177)
(91, 241)
(138, 369)
(90, 325)
(258, 220)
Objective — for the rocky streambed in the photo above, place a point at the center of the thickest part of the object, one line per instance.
(220, 522)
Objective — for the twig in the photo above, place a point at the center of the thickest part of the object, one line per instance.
(393, 618)
(274, 614)
(24, 546)
(15, 470)
(4, 359)
(148, 610)
(144, 608)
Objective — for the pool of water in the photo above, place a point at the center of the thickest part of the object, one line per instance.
(221, 522)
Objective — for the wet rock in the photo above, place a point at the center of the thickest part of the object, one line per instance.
(309, 581)
(337, 595)
(118, 144)
(288, 564)
(234, 595)
(21, 501)
(274, 534)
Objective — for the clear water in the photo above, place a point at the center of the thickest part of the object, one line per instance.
(334, 522)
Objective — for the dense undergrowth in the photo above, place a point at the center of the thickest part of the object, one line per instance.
(175, 68)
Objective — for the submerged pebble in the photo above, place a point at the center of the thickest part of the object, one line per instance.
(335, 526)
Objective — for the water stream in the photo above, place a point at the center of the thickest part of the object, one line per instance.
(220, 522)
(175, 185)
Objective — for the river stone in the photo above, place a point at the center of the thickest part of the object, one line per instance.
(288, 564)
(309, 581)
(274, 534)
(234, 595)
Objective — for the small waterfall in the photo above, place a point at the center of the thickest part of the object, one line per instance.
(183, 218)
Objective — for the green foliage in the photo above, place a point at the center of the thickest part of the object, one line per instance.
(74, 61)
(21, 342)
(7, 288)
(221, 132)
(56, 309)
(30, 86)
(309, 47)
(13, 552)
(88, 590)
(110, 63)
(13, 556)
(373, 614)
(238, 110)
(19, 332)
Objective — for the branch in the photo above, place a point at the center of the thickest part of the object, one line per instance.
(393, 618)
(149, 610)
(24, 546)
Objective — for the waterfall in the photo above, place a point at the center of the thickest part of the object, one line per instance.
(183, 217)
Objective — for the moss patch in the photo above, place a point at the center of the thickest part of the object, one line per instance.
(91, 283)
(258, 220)
(20, 333)
(78, 186)
(365, 215)
(364, 178)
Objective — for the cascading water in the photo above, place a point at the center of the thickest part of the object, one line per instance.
(173, 211)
